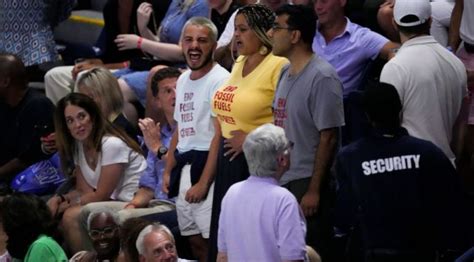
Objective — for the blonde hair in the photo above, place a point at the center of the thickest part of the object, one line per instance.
(103, 86)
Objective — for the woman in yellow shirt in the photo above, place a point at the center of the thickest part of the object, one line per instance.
(244, 102)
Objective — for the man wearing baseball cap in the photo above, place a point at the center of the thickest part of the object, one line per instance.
(430, 80)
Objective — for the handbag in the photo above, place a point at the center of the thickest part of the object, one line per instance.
(41, 178)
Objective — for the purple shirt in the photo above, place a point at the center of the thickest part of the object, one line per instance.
(350, 52)
(261, 221)
(153, 175)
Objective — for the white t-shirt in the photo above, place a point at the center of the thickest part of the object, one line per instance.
(431, 83)
(228, 33)
(193, 108)
(114, 151)
(467, 22)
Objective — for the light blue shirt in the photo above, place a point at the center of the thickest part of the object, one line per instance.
(350, 52)
(152, 178)
(176, 17)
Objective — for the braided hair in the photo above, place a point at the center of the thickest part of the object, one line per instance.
(260, 19)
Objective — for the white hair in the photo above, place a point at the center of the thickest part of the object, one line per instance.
(155, 227)
(262, 147)
(106, 210)
(204, 22)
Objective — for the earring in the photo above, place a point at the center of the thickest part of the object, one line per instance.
(263, 50)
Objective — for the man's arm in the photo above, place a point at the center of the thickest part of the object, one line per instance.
(141, 198)
(170, 161)
(387, 51)
(12, 167)
(456, 16)
(322, 163)
(221, 257)
(198, 192)
(470, 77)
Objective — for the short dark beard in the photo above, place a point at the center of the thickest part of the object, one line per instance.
(208, 60)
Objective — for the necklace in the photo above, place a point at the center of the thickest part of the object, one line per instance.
(91, 157)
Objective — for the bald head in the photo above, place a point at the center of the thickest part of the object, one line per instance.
(12, 71)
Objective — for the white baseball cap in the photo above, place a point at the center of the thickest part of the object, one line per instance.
(418, 8)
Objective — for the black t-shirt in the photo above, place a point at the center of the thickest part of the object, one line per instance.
(402, 191)
(221, 20)
(111, 53)
(123, 123)
(22, 127)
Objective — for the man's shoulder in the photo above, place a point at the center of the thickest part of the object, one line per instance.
(37, 98)
(321, 68)
(404, 143)
(360, 33)
(219, 72)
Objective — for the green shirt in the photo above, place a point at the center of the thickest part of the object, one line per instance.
(45, 249)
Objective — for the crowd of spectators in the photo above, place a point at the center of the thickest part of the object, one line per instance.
(225, 130)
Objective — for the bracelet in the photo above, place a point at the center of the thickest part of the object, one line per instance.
(139, 43)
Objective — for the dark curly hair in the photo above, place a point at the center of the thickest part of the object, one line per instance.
(260, 19)
(24, 218)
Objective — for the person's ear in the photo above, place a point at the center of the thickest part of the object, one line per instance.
(295, 36)
(283, 160)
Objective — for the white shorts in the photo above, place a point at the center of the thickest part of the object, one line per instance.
(193, 219)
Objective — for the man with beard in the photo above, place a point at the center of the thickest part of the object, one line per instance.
(191, 162)
(104, 233)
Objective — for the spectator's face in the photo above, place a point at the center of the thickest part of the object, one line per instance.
(217, 4)
(281, 34)
(328, 10)
(273, 4)
(104, 234)
(245, 39)
(78, 122)
(198, 47)
(166, 98)
(303, 2)
(159, 248)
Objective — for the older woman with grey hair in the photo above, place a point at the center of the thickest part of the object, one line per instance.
(103, 229)
(259, 220)
(263, 148)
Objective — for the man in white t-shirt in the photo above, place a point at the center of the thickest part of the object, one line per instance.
(192, 157)
(430, 80)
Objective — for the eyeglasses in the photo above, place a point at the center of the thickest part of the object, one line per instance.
(276, 27)
(107, 232)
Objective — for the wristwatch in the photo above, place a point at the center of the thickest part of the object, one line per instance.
(162, 150)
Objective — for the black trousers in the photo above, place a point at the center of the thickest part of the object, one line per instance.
(227, 174)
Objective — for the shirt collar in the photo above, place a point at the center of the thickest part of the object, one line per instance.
(167, 130)
(269, 180)
(389, 134)
(347, 30)
(419, 40)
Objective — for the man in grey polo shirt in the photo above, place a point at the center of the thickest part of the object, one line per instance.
(308, 105)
